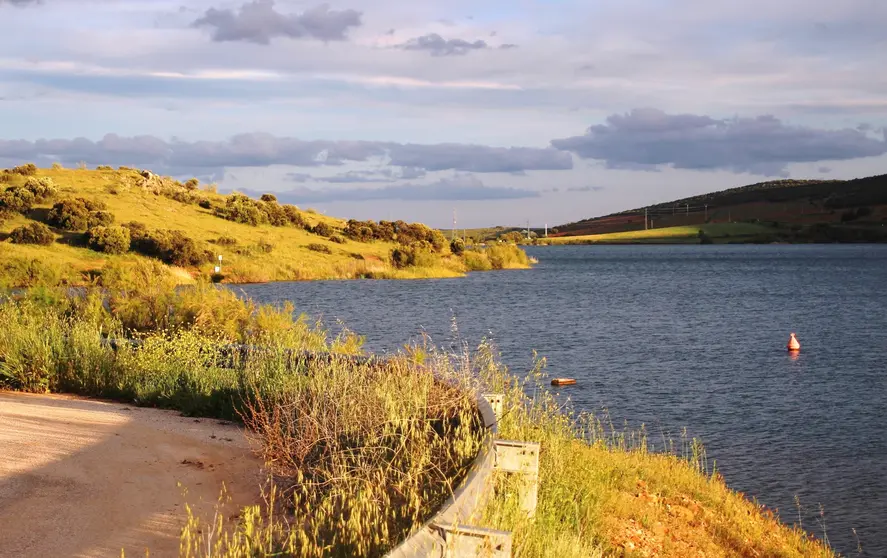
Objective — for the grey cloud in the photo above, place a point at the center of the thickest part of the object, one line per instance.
(381, 176)
(477, 158)
(262, 150)
(258, 22)
(652, 139)
(459, 188)
(299, 177)
(586, 189)
(20, 2)
(438, 46)
(824, 170)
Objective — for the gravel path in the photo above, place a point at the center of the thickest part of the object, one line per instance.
(88, 478)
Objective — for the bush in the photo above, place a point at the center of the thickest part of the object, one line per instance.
(337, 239)
(476, 261)
(322, 229)
(226, 240)
(172, 247)
(35, 233)
(75, 214)
(242, 209)
(16, 199)
(192, 184)
(57, 166)
(457, 246)
(104, 168)
(109, 239)
(293, 215)
(205, 204)
(268, 198)
(417, 255)
(28, 169)
(100, 219)
(322, 248)
(42, 188)
(503, 256)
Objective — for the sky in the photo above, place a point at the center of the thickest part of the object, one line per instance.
(506, 112)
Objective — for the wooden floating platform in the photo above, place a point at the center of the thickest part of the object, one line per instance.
(563, 382)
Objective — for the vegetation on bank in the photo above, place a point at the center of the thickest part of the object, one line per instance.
(363, 451)
(66, 225)
(360, 451)
(605, 492)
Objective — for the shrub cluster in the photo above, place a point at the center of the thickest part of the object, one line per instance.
(418, 254)
(170, 246)
(35, 233)
(243, 209)
(16, 199)
(397, 231)
(19, 199)
(322, 229)
(78, 214)
(109, 239)
(28, 169)
(43, 188)
(457, 246)
(322, 248)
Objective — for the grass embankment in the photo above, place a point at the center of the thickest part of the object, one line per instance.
(717, 232)
(603, 493)
(360, 452)
(257, 239)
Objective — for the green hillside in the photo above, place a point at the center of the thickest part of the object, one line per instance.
(783, 210)
(186, 226)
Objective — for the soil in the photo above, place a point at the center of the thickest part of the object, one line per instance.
(90, 478)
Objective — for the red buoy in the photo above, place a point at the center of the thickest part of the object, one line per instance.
(793, 344)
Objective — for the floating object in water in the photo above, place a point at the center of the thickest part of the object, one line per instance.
(793, 344)
(563, 382)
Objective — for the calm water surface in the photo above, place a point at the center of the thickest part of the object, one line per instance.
(686, 336)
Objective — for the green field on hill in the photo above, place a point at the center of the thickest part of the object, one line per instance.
(720, 232)
(303, 245)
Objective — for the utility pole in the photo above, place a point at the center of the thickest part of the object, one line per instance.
(706, 213)
(645, 219)
(688, 210)
(546, 230)
(528, 229)
(453, 233)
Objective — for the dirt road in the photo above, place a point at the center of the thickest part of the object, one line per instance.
(87, 478)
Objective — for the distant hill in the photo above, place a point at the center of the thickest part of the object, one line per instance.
(795, 210)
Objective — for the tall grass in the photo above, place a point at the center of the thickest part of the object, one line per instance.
(361, 451)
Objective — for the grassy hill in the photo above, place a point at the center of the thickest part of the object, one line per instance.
(304, 245)
(782, 210)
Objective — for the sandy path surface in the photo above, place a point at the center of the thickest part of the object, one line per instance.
(89, 478)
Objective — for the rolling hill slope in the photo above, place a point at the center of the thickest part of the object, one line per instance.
(793, 210)
(303, 245)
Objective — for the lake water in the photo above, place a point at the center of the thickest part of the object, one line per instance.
(685, 336)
